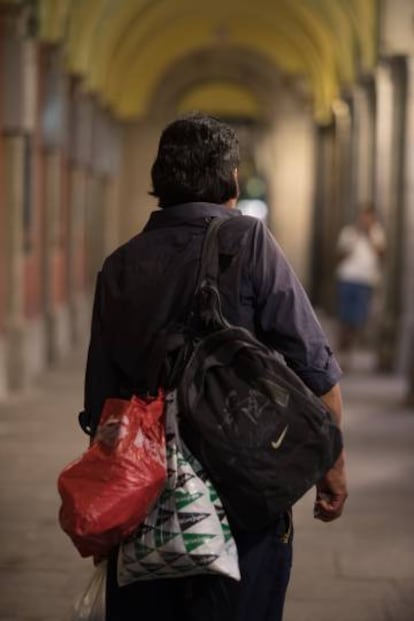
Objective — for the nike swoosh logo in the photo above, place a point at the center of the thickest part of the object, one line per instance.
(277, 444)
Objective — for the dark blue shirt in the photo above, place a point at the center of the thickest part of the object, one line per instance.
(147, 285)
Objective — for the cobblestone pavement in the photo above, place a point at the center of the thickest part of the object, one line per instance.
(360, 568)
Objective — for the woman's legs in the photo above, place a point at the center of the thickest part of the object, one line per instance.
(354, 300)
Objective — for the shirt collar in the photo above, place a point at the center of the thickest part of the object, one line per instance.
(178, 214)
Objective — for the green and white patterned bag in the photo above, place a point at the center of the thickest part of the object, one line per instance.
(187, 532)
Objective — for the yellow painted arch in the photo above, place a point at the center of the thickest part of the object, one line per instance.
(53, 15)
(123, 48)
(364, 17)
(258, 27)
(220, 99)
(121, 31)
(174, 42)
(338, 22)
(83, 21)
(131, 89)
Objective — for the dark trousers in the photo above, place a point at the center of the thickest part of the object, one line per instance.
(265, 559)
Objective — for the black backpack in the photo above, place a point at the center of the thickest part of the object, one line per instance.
(262, 436)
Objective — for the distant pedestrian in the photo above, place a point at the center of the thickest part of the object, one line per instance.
(360, 248)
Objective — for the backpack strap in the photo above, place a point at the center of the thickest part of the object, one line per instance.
(173, 347)
(209, 265)
(207, 301)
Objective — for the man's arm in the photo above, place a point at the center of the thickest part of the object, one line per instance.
(377, 239)
(331, 491)
(285, 321)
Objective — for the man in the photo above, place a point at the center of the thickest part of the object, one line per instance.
(194, 178)
(360, 250)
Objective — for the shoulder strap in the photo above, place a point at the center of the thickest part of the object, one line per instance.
(209, 265)
(171, 348)
(207, 301)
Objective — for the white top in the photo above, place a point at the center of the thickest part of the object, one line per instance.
(361, 263)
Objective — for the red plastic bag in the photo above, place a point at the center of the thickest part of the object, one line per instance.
(108, 491)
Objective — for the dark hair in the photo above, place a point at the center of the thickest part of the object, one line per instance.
(367, 206)
(196, 159)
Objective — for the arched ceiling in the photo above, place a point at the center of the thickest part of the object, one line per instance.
(217, 98)
(188, 85)
(125, 49)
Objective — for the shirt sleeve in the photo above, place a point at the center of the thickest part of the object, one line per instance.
(101, 377)
(285, 319)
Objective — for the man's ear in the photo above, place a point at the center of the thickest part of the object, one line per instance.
(236, 178)
(231, 203)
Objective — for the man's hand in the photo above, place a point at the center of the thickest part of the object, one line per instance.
(331, 493)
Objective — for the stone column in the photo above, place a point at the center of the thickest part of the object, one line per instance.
(322, 260)
(17, 108)
(102, 235)
(139, 148)
(54, 139)
(107, 163)
(342, 205)
(52, 240)
(362, 158)
(286, 159)
(15, 319)
(389, 162)
(331, 202)
(111, 213)
(95, 226)
(102, 223)
(407, 317)
(76, 251)
(3, 380)
(80, 155)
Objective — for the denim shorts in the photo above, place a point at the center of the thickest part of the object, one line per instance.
(354, 301)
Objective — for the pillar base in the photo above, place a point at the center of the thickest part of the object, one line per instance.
(35, 348)
(15, 358)
(58, 334)
(25, 355)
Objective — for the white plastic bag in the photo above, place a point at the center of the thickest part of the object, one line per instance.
(187, 532)
(91, 604)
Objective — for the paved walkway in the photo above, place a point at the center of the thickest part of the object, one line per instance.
(360, 568)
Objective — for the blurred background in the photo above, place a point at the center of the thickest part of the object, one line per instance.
(321, 93)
